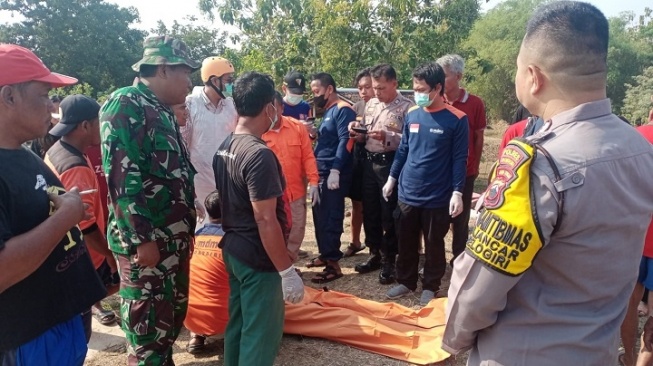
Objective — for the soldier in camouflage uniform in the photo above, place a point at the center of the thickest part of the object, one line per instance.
(151, 210)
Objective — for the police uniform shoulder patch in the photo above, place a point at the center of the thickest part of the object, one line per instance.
(507, 236)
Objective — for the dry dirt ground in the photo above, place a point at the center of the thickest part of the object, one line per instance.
(297, 350)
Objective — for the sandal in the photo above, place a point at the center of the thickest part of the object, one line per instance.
(352, 250)
(196, 344)
(316, 262)
(329, 274)
(104, 317)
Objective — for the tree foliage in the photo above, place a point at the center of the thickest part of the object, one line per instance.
(492, 49)
(639, 98)
(343, 36)
(88, 39)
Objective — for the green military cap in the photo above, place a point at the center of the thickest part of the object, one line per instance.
(165, 50)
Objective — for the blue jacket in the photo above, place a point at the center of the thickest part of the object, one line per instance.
(432, 156)
(333, 149)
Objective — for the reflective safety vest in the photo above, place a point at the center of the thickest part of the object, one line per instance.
(507, 235)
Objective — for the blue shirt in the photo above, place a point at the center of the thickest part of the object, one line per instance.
(210, 229)
(295, 111)
(333, 150)
(432, 156)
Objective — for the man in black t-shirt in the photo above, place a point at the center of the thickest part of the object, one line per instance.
(261, 275)
(46, 279)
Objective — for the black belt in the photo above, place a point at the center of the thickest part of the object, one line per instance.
(380, 158)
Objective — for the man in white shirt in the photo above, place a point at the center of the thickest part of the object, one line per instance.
(211, 118)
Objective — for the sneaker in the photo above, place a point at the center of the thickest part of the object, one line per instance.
(387, 274)
(397, 292)
(371, 264)
(427, 296)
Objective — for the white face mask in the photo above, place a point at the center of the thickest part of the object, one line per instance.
(293, 99)
(273, 120)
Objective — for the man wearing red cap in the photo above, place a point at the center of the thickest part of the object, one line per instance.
(47, 279)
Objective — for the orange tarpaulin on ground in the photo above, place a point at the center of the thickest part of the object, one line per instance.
(388, 329)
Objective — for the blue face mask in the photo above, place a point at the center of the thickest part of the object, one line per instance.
(422, 99)
(228, 90)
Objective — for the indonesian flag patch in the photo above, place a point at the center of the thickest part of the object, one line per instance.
(414, 127)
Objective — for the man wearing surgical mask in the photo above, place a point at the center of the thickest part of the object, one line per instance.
(334, 165)
(251, 185)
(211, 117)
(430, 166)
(294, 105)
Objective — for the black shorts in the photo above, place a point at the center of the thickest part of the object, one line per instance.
(356, 188)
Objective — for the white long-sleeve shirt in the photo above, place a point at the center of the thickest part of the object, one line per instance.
(207, 126)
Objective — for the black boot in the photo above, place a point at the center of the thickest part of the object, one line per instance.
(387, 274)
(371, 264)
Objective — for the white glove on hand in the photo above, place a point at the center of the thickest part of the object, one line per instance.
(333, 182)
(388, 187)
(201, 212)
(314, 193)
(291, 285)
(456, 204)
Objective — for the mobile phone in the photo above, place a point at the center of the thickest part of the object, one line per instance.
(359, 129)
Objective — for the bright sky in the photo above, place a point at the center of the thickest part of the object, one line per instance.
(169, 10)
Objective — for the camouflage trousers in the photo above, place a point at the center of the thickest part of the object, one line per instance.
(153, 304)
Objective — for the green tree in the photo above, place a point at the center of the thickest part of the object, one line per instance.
(492, 49)
(639, 98)
(88, 39)
(629, 52)
(343, 36)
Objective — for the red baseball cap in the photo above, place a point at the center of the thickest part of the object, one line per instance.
(19, 65)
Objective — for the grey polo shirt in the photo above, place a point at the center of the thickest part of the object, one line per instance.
(566, 308)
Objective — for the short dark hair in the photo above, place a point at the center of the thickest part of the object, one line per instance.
(365, 73)
(252, 92)
(55, 98)
(324, 79)
(278, 97)
(573, 28)
(432, 74)
(213, 205)
(383, 70)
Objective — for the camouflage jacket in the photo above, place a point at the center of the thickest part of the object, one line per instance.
(148, 171)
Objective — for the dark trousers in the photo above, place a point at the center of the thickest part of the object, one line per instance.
(412, 222)
(328, 217)
(461, 222)
(256, 311)
(378, 220)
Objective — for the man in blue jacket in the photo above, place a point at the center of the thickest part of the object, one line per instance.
(334, 164)
(430, 165)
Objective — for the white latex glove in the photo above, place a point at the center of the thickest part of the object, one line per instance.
(333, 182)
(291, 285)
(201, 212)
(314, 193)
(388, 187)
(456, 204)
